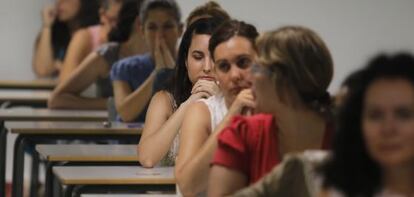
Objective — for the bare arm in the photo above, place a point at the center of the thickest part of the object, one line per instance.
(79, 47)
(161, 127)
(224, 181)
(43, 62)
(197, 145)
(129, 103)
(67, 94)
(159, 130)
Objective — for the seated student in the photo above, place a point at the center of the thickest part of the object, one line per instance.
(293, 71)
(209, 9)
(126, 40)
(373, 149)
(86, 40)
(232, 49)
(194, 79)
(60, 21)
(133, 78)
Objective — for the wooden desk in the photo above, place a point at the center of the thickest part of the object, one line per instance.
(114, 175)
(72, 128)
(88, 153)
(29, 114)
(28, 84)
(29, 97)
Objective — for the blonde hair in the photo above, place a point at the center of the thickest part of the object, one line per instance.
(209, 9)
(301, 62)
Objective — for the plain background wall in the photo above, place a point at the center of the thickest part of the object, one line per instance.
(354, 30)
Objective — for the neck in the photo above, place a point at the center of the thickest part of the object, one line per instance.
(299, 129)
(134, 45)
(400, 179)
(73, 26)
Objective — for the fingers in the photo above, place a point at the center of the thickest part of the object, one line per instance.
(245, 99)
(205, 86)
(168, 57)
(158, 56)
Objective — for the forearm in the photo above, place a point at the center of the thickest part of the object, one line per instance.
(153, 148)
(71, 101)
(131, 106)
(192, 177)
(43, 60)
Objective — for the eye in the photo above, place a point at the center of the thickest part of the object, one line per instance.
(244, 62)
(373, 115)
(152, 27)
(198, 55)
(168, 25)
(223, 66)
(403, 113)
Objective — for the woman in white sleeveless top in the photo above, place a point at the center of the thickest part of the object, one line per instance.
(233, 52)
(193, 80)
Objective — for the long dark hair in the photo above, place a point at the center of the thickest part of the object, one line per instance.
(182, 85)
(88, 15)
(126, 19)
(351, 169)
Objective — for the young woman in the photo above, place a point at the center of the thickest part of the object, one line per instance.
(133, 78)
(194, 79)
(126, 40)
(60, 22)
(291, 77)
(86, 40)
(373, 149)
(232, 49)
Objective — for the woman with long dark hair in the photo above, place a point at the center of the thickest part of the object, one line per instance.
(60, 22)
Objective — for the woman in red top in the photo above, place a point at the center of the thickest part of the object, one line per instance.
(291, 77)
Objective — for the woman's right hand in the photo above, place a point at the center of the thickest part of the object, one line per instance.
(48, 15)
(203, 89)
(162, 56)
(244, 104)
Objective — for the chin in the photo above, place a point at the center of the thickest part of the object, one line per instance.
(393, 161)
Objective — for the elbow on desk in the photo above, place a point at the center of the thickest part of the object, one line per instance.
(54, 101)
(186, 185)
(145, 160)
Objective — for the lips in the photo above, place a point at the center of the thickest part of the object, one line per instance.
(208, 78)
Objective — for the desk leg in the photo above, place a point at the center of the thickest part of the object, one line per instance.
(68, 191)
(3, 152)
(49, 179)
(18, 168)
(34, 182)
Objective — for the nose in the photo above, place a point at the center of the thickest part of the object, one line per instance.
(208, 65)
(235, 73)
(388, 127)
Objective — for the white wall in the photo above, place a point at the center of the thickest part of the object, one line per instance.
(354, 30)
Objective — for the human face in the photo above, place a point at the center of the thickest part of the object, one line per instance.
(199, 63)
(264, 88)
(67, 9)
(161, 24)
(233, 59)
(388, 122)
(109, 16)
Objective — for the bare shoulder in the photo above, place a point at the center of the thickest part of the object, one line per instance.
(197, 115)
(162, 99)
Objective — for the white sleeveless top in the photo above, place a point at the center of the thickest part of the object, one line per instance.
(217, 107)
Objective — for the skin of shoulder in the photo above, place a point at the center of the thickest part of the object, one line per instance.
(79, 47)
(159, 110)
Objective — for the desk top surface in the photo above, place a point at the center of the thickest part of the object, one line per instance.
(28, 84)
(134, 175)
(24, 95)
(73, 127)
(88, 152)
(30, 114)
